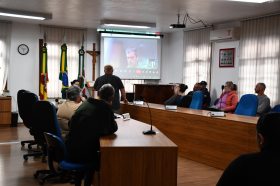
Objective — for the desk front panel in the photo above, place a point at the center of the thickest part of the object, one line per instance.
(130, 158)
(212, 141)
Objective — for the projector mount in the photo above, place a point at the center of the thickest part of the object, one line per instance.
(186, 18)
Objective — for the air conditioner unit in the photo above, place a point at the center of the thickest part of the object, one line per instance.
(225, 34)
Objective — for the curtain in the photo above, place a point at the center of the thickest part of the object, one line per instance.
(259, 56)
(5, 44)
(197, 49)
(55, 37)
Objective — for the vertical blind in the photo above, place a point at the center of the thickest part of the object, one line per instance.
(260, 56)
(5, 44)
(55, 37)
(197, 56)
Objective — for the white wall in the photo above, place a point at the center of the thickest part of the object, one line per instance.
(172, 58)
(220, 75)
(24, 69)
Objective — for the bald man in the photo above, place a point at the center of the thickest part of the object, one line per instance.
(116, 82)
(263, 100)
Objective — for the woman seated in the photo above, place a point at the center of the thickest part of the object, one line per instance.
(228, 99)
(176, 99)
(68, 108)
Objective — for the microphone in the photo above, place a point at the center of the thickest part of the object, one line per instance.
(223, 86)
(151, 131)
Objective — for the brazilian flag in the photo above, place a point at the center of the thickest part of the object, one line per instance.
(63, 75)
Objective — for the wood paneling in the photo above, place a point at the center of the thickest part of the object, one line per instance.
(213, 141)
(5, 111)
(130, 158)
(153, 93)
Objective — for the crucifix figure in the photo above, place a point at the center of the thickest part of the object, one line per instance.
(94, 54)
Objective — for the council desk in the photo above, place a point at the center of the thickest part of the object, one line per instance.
(130, 158)
(214, 141)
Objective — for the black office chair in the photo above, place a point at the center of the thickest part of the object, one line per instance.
(44, 120)
(25, 101)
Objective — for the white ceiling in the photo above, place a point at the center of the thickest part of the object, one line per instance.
(89, 13)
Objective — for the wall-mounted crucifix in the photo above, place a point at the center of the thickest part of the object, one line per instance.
(94, 54)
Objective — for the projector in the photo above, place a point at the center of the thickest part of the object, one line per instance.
(178, 25)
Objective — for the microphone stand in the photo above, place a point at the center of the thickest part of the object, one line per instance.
(151, 131)
(221, 98)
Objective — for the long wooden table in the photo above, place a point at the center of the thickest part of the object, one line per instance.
(130, 158)
(214, 141)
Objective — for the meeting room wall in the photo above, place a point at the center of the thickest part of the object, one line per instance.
(24, 69)
(172, 57)
(220, 75)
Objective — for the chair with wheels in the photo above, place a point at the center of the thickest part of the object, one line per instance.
(247, 105)
(197, 100)
(25, 101)
(57, 152)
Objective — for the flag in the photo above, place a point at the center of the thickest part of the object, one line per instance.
(81, 73)
(63, 75)
(44, 74)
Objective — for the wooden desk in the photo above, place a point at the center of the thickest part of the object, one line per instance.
(130, 158)
(5, 111)
(212, 141)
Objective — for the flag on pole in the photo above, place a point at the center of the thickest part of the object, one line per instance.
(63, 75)
(81, 73)
(44, 74)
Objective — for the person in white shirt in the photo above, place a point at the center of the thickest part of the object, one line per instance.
(68, 108)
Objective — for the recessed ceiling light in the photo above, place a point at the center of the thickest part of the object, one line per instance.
(127, 24)
(252, 1)
(24, 14)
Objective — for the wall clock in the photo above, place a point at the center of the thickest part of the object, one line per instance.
(23, 49)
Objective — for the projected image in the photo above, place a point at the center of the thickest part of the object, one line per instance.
(132, 58)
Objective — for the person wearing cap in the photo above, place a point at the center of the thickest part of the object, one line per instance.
(260, 168)
(206, 95)
(67, 109)
(179, 92)
(116, 82)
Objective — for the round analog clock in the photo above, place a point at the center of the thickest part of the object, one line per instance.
(23, 49)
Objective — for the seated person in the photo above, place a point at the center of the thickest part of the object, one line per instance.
(176, 99)
(206, 95)
(260, 168)
(263, 100)
(68, 108)
(188, 98)
(228, 99)
(93, 119)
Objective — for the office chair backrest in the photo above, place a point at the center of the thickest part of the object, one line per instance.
(197, 100)
(44, 119)
(247, 105)
(276, 108)
(26, 100)
(56, 147)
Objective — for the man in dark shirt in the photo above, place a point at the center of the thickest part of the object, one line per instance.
(261, 168)
(116, 82)
(93, 119)
(206, 95)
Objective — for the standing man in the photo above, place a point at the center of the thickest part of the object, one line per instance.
(116, 82)
(263, 100)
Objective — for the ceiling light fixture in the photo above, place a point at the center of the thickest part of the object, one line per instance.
(252, 1)
(24, 14)
(127, 24)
